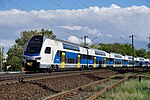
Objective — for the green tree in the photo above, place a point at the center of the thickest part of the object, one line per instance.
(15, 52)
(141, 53)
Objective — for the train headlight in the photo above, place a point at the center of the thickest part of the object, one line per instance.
(29, 63)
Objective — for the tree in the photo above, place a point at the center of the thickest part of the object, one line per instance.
(15, 52)
(141, 52)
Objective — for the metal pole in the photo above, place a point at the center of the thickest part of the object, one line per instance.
(132, 52)
(86, 48)
(2, 57)
(85, 44)
(1, 51)
(132, 36)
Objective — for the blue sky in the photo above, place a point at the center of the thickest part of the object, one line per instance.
(106, 19)
(68, 4)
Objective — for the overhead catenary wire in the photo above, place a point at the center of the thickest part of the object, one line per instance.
(103, 19)
(144, 22)
(125, 40)
(55, 3)
(39, 19)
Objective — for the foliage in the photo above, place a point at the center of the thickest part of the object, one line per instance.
(131, 90)
(15, 52)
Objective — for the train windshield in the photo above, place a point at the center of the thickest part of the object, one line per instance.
(34, 45)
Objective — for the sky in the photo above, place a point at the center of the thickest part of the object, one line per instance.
(105, 21)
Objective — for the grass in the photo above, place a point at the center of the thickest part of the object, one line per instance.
(130, 90)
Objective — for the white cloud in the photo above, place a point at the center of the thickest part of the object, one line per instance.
(92, 21)
(108, 35)
(74, 39)
(6, 44)
(80, 28)
(72, 28)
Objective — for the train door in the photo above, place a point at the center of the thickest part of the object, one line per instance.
(114, 62)
(78, 61)
(63, 60)
(47, 56)
(121, 63)
(94, 62)
(104, 62)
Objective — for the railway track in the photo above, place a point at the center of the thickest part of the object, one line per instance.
(8, 79)
(90, 91)
(11, 73)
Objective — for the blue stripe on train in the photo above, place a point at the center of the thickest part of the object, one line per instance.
(30, 54)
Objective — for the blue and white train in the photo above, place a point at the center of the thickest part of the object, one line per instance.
(43, 53)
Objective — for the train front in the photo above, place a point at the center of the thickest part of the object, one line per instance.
(31, 54)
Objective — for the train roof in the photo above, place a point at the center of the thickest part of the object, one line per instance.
(64, 41)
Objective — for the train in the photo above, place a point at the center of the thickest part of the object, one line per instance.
(49, 54)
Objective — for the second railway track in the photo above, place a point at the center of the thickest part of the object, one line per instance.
(90, 91)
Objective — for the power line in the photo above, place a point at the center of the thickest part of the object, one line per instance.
(55, 3)
(144, 22)
(39, 19)
(90, 16)
(103, 19)
(125, 40)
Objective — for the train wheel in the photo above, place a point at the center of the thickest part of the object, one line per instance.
(82, 67)
(51, 69)
(56, 67)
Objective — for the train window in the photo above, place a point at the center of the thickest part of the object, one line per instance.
(48, 50)
(83, 56)
(70, 47)
(90, 57)
(99, 62)
(118, 56)
(34, 45)
(71, 61)
(100, 53)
